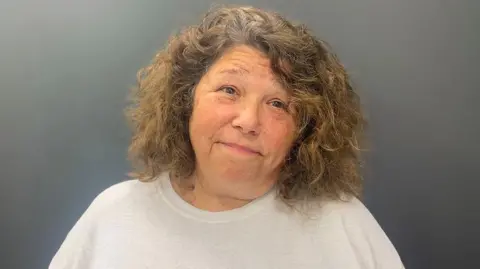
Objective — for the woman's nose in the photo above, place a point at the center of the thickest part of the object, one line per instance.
(247, 119)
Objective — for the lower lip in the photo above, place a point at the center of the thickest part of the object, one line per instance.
(240, 149)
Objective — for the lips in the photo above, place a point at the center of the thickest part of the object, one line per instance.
(242, 148)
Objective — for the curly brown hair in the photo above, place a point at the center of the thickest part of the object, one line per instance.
(324, 160)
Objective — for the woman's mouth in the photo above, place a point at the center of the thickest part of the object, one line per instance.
(241, 148)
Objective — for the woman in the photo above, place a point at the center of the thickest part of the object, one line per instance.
(245, 141)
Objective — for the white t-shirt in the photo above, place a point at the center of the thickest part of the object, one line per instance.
(138, 225)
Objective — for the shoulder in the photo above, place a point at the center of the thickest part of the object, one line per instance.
(354, 229)
(121, 199)
(350, 216)
(128, 191)
(348, 209)
(123, 190)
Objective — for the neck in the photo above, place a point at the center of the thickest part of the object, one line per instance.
(193, 192)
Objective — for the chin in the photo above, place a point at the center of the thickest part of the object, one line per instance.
(238, 173)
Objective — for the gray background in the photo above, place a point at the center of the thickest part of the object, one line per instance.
(66, 67)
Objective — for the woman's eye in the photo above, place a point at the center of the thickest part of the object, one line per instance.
(279, 104)
(228, 90)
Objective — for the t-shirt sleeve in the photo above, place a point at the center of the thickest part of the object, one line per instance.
(77, 250)
(367, 239)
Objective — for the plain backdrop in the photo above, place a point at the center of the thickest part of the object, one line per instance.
(66, 68)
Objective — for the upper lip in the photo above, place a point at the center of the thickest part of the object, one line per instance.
(244, 147)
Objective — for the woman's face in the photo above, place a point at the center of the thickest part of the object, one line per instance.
(241, 128)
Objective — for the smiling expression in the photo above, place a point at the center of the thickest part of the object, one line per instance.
(242, 126)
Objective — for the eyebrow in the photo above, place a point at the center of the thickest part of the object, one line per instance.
(239, 70)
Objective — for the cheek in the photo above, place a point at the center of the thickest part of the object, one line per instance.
(207, 118)
(279, 137)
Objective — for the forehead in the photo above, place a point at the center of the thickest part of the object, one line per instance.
(244, 61)
(245, 56)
